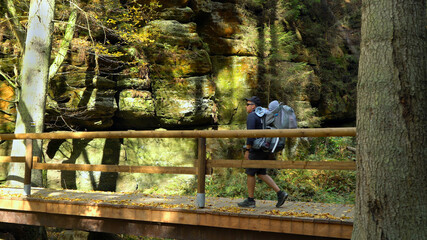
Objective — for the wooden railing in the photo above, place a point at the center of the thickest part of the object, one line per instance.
(202, 167)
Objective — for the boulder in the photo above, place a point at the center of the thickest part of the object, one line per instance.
(134, 83)
(185, 101)
(224, 20)
(201, 6)
(173, 33)
(171, 3)
(136, 110)
(78, 78)
(180, 63)
(183, 15)
(82, 108)
(229, 32)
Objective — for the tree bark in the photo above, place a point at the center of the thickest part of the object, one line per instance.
(392, 122)
(33, 82)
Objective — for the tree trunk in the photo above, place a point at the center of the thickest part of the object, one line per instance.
(391, 195)
(33, 82)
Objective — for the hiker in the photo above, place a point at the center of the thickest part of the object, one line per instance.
(253, 121)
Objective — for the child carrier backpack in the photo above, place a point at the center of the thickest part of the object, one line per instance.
(282, 117)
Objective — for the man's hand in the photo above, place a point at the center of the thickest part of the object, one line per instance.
(246, 155)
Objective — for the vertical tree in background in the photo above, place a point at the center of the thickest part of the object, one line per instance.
(33, 80)
(391, 198)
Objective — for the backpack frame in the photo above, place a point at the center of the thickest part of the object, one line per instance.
(282, 117)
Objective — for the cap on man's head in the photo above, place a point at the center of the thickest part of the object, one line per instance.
(255, 100)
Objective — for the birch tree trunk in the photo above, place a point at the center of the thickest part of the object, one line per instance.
(33, 83)
(391, 195)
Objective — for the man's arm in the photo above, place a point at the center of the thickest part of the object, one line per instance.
(250, 124)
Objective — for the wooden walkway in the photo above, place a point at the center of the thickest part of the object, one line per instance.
(174, 216)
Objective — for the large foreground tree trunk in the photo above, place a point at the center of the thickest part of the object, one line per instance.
(33, 83)
(391, 200)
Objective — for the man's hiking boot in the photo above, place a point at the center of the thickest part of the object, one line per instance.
(247, 203)
(281, 198)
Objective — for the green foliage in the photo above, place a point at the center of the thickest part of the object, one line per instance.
(319, 185)
(284, 47)
(295, 8)
(328, 186)
(325, 148)
(126, 19)
(169, 184)
(228, 182)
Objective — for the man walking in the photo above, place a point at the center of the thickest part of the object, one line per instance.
(253, 121)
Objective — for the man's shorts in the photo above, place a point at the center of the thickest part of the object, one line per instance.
(257, 155)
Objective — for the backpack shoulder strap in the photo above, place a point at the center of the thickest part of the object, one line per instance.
(263, 122)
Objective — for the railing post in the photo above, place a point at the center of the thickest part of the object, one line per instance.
(201, 172)
(28, 166)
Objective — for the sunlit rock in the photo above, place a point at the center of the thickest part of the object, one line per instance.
(235, 77)
(185, 101)
(136, 110)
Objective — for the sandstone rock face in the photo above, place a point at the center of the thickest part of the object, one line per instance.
(83, 108)
(227, 31)
(201, 59)
(173, 33)
(183, 91)
(235, 78)
(192, 102)
(136, 110)
(182, 15)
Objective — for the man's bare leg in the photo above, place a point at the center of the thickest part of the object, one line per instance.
(270, 182)
(251, 186)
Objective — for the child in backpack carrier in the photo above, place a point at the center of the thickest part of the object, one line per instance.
(273, 105)
(277, 116)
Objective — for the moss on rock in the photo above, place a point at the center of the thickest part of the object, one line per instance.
(136, 110)
(235, 79)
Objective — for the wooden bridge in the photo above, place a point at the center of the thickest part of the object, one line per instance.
(175, 217)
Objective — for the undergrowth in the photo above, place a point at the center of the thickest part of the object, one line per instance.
(328, 186)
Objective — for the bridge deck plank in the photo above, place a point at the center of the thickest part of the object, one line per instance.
(314, 219)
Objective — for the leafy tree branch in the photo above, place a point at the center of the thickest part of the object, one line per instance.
(65, 44)
(8, 79)
(14, 24)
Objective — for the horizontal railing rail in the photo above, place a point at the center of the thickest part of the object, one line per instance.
(203, 166)
(11, 159)
(114, 168)
(318, 165)
(299, 132)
